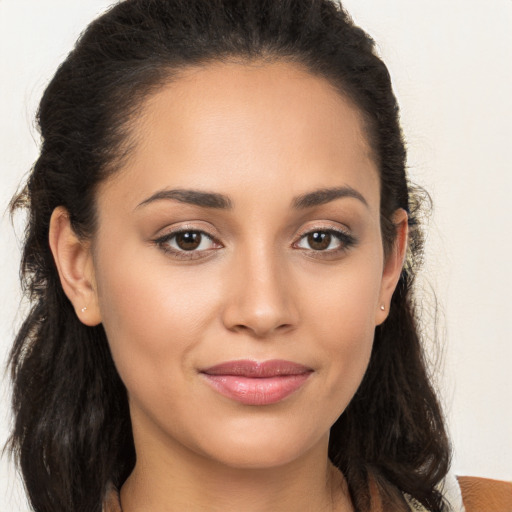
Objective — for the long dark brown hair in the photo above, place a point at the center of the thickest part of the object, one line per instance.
(72, 432)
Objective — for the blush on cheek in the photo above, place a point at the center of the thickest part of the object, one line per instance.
(148, 321)
(345, 332)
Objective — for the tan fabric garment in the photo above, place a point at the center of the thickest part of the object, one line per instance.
(486, 495)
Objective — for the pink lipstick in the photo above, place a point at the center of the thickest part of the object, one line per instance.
(254, 383)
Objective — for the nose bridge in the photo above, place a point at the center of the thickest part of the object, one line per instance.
(261, 299)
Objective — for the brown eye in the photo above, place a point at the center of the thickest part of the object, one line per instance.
(193, 242)
(188, 240)
(319, 240)
(328, 241)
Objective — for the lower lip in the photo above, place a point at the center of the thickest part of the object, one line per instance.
(256, 391)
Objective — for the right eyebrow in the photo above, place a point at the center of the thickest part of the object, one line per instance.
(195, 197)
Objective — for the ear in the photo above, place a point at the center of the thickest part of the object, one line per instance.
(74, 263)
(393, 265)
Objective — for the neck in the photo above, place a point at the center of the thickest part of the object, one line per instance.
(175, 479)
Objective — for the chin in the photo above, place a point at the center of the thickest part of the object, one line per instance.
(257, 457)
(261, 448)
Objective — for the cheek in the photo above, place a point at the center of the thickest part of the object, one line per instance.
(153, 318)
(344, 300)
(343, 319)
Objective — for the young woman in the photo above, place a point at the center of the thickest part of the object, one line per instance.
(221, 249)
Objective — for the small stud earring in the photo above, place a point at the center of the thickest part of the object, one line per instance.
(382, 307)
(84, 309)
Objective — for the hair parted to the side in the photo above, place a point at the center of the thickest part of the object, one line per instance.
(72, 431)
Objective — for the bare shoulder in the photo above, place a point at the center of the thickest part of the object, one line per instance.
(485, 494)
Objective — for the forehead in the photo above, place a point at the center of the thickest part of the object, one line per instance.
(257, 126)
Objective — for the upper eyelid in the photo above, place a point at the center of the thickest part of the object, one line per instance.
(162, 243)
(344, 234)
(346, 239)
(172, 234)
(329, 227)
(300, 233)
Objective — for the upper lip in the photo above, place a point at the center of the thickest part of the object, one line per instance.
(255, 369)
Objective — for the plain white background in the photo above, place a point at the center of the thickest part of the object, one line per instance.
(451, 65)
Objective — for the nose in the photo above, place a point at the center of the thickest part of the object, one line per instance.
(261, 299)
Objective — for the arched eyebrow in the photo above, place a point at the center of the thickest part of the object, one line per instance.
(220, 201)
(326, 195)
(195, 197)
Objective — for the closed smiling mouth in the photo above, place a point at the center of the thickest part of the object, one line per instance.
(257, 383)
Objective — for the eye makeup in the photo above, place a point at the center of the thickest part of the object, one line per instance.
(321, 241)
(189, 243)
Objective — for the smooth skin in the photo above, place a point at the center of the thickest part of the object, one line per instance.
(266, 279)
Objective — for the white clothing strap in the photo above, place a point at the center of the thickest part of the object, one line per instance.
(450, 489)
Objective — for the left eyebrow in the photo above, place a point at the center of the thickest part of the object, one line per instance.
(326, 195)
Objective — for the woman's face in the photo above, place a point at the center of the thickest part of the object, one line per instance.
(244, 228)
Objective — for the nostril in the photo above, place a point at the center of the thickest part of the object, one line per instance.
(262, 331)
(261, 307)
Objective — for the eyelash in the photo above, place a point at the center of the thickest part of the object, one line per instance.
(164, 240)
(346, 242)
